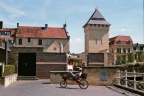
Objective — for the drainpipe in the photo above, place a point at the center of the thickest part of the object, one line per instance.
(6, 52)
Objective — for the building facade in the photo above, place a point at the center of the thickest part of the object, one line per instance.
(120, 45)
(52, 39)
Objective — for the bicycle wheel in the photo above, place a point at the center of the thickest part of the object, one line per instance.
(63, 84)
(83, 84)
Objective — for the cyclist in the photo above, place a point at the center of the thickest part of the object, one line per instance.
(77, 75)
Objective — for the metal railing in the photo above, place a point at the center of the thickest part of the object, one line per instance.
(123, 80)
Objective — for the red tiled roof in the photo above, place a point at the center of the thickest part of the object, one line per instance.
(123, 39)
(39, 32)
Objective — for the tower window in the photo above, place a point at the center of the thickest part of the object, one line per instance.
(96, 41)
(101, 41)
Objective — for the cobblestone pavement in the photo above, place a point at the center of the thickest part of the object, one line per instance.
(44, 88)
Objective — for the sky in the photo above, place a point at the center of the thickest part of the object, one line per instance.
(125, 16)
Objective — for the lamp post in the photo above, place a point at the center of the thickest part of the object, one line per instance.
(6, 52)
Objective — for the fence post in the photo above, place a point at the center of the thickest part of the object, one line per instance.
(118, 77)
(126, 78)
(134, 80)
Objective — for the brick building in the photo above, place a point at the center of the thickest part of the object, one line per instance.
(37, 50)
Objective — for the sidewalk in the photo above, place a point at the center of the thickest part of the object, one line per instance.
(44, 88)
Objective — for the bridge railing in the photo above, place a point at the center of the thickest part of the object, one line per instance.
(130, 79)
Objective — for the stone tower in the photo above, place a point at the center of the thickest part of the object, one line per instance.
(96, 33)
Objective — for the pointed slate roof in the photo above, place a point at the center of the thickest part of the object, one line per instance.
(97, 18)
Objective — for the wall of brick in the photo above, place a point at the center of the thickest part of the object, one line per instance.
(51, 57)
(95, 59)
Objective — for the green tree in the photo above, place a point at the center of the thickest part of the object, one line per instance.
(131, 57)
(140, 56)
(123, 59)
(118, 62)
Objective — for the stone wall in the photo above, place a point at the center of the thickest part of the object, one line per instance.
(94, 75)
(7, 80)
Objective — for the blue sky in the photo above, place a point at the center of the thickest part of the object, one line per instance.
(125, 16)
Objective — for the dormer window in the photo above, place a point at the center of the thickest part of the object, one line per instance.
(128, 42)
(97, 19)
(118, 42)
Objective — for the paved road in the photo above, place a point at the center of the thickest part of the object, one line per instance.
(44, 88)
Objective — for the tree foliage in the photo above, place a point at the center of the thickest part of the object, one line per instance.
(130, 57)
(140, 56)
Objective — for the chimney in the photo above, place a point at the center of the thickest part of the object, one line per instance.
(17, 25)
(1, 24)
(46, 27)
(64, 26)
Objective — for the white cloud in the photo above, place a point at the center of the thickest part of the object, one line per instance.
(125, 30)
(78, 40)
(76, 45)
(12, 10)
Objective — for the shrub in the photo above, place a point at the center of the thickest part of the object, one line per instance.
(8, 70)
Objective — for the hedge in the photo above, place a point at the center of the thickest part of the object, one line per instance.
(8, 70)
